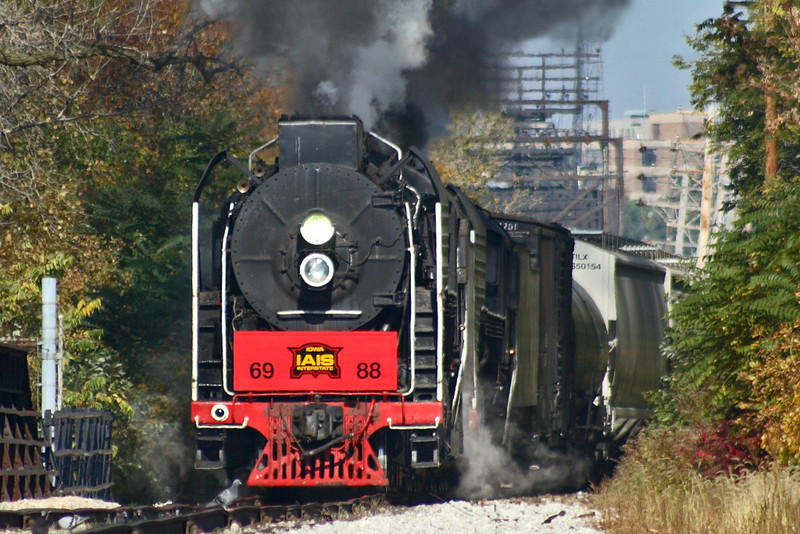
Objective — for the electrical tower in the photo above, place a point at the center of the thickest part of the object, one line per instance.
(673, 171)
(680, 205)
(562, 165)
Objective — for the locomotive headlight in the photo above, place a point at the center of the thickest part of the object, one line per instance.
(317, 229)
(316, 269)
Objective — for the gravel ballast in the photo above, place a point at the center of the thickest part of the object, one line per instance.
(552, 514)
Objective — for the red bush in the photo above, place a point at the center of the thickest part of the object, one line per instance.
(723, 452)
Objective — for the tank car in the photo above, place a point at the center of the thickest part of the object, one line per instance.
(355, 321)
(620, 305)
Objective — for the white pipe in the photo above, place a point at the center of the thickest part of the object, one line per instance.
(49, 350)
(388, 143)
(256, 151)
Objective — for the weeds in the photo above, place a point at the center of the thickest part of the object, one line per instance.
(659, 488)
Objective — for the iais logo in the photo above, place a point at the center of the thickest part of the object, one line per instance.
(315, 359)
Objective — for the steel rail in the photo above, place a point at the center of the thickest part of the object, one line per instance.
(186, 519)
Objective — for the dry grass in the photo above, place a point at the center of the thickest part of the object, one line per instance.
(656, 490)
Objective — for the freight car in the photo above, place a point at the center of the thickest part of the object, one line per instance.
(22, 472)
(356, 322)
(621, 293)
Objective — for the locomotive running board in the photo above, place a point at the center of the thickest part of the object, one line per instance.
(300, 313)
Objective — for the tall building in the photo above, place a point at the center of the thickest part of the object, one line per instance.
(668, 168)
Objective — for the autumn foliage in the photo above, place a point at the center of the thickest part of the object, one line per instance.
(773, 410)
(114, 107)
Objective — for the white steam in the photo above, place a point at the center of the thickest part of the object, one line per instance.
(489, 470)
(326, 95)
(377, 76)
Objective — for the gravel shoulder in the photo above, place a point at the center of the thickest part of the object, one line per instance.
(551, 514)
(566, 514)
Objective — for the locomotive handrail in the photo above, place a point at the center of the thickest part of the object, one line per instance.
(439, 303)
(202, 183)
(418, 203)
(196, 275)
(196, 266)
(436, 180)
(224, 302)
(388, 143)
(244, 424)
(225, 154)
(256, 151)
(195, 293)
(437, 422)
(412, 301)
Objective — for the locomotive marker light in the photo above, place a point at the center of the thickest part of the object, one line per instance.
(220, 413)
(243, 186)
(317, 270)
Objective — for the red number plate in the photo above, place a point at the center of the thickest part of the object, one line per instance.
(314, 361)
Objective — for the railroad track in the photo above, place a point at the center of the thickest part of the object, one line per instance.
(175, 519)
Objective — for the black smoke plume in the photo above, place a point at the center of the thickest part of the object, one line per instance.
(410, 61)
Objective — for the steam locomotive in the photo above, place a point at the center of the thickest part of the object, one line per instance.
(356, 322)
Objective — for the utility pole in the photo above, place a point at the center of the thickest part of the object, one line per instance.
(705, 206)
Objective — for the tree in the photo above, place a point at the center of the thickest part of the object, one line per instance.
(744, 295)
(54, 56)
(742, 62)
(469, 156)
(114, 109)
(772, 410)
(733, 335)
(57, 58)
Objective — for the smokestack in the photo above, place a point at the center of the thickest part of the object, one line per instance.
(49, 327)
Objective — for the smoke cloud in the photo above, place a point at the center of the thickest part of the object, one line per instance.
(398, 61)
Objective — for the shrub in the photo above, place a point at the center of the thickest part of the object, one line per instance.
(722, 452)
